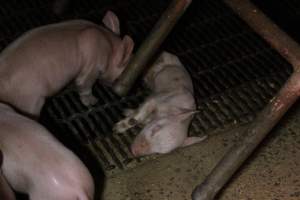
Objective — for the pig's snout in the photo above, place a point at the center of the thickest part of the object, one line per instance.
(140, 146)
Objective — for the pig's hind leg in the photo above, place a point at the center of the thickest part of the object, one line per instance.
(135, 117)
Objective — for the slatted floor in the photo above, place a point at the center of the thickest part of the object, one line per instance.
(235, 74)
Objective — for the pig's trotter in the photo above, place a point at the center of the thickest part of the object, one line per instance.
(192, 140)
(135, 117)
(132, 122)
(127, 122)
(124, 125)
(88, 100)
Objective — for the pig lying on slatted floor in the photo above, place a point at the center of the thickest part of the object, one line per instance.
(167, 112)
(35, 163)
(44, 60)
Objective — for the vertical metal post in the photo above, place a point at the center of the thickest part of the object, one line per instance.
(160, 31)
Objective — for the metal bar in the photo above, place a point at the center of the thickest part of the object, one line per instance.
(252, 136)
(261, 24)
(160, 31)
(271, 114)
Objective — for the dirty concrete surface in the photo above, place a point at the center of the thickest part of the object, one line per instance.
(272, 172)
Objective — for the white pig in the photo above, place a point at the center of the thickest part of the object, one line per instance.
(166, 114)
(6, 192)
(44, 60)
(37, 164)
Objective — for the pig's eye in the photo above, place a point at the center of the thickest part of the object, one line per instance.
(155, 130)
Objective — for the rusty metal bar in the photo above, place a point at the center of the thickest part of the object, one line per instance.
(271, 114)
(264, 26)
(160, 31)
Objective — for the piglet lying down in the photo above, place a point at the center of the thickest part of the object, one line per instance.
(167, 112)
(34, 162)
(44, 60)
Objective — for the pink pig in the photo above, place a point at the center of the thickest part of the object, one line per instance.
(167, 112)
(35, 163)
(44, 60)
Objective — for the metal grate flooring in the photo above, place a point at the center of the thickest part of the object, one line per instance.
(235, 73)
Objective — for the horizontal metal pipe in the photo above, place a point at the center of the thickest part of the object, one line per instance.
(264, 26)
(160, 31)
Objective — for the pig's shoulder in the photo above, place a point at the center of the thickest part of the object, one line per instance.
(164, 59)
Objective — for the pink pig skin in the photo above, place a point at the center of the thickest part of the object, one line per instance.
(44, 60)
(6, 192)
(37, 164)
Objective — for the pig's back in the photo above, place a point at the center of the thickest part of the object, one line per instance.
(168, 74)
(37, 59)
(40, 52)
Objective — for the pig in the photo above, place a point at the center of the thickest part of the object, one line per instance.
(6, 192)
(37, 164)
(167, 113)
(44, 60)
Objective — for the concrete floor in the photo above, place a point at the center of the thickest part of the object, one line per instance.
(272, 173)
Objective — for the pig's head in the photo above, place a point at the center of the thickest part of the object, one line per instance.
(162, 135)
(121, 48)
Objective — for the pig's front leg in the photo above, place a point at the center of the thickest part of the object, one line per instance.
(135, 117)
(84, 83)
(87, 98)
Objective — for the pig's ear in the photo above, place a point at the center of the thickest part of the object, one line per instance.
(128, 45)
(111, 21)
